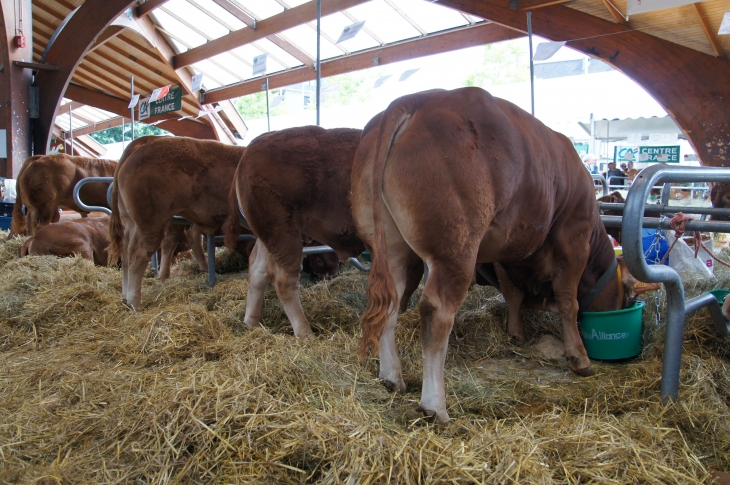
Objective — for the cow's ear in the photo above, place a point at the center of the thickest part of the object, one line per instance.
(633, 285)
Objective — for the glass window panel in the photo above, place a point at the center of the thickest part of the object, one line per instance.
(233, 64)
(385, 22)
(278, 52)
(196, 18)
(178, 29)
(296, 3)
(215, 72)
(220, 13)
(306, 39)
(431, 17)
(262, 9)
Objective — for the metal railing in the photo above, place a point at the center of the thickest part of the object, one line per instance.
(211, 238)
(677, 307)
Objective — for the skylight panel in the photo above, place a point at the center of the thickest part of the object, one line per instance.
(262, 9)
(385, 22)
(195, 18)
(233, 64)
(176, 28)
(220, 13)
(90, 114)
(306, 39)
(431, 17)
(215, 72)
(279, 53)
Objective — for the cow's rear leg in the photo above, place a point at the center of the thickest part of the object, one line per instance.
(258, 278)
(138, 258)
(284, 268)
(565, 289)
(513, 296)
(414, 274)
(195, 240)
(443, 294)
(173, 235)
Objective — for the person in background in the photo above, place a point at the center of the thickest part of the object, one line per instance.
(589, 161)
(615, 176)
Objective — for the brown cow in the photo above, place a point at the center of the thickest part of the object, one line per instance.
(457, 178)
(289, 183)
(720, 197)
(46, 182)
(87, 237)
(158, 178)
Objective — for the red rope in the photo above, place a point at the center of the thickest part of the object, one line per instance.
(679, 225)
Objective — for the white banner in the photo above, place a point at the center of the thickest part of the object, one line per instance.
(640, 6)
(350, 31)
(259, 64)
(133, 101)
(546, 50)
(197, 82)
(634, 139)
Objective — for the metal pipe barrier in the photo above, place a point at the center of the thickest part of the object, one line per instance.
(677, 308)
(602, 179)
(91, 180)
(666, 209)
(656, 223)
(212, 239)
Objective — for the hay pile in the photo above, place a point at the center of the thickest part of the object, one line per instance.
(180, 392)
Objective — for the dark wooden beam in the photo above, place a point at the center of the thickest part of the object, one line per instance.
(423, 46)
(272, 25)
(89, 21)
(144, 9)
(533, 4)
(118, 106)
(110, 32)
(35, 66)
(693, 87)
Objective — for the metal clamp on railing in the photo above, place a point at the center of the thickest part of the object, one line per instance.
(633, 249)
(602, 179)
(91, 180)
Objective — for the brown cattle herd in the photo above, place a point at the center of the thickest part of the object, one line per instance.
(449, 180)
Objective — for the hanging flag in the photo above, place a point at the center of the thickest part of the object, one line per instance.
(259, 64)
(546, 50)
(197, 82)
(207, 111)
(641, 6)
(350, 31)
(133, 101)
(160, 93)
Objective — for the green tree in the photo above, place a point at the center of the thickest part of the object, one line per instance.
(503, 63)
(114, 135)
(253, 106)
(348, 88)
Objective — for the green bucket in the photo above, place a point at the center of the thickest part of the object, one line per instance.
(720, 295)
(366, 256)
(613, 335)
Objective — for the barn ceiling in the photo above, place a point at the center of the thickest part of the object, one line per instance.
(220, 38)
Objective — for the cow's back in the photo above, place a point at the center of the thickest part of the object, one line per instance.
(179, 175)
(307, 170)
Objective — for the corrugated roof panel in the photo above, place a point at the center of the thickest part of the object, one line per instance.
(385, 22)
(279, 53)
(196, 19)
(216, 72)
(176, 28)
(306, 39)
(431, 17)
(261, 9)
(219, 13)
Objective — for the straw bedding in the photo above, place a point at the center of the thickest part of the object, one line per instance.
(181, 392)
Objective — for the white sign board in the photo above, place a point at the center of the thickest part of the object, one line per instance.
(259, 64)
(546, 50)
(640, 6)
(144, 108)
(663, 138)
(634, 139)
(350, 31)
(725, 25)
(197, 82)
(133, 101)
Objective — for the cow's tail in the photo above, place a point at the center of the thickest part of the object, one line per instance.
(232, 227)
(19, 226)
(116, 228)
(381, 291)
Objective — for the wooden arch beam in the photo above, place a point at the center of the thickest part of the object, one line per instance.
(421, 46)
(91, 20)
(693, 87)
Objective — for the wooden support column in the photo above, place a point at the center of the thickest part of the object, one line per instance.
(15, 86)
(693, 87)
(90, 21)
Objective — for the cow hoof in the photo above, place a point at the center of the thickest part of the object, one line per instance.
(519, 339)
(439, 417)
(585, 371)
(397, 387)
